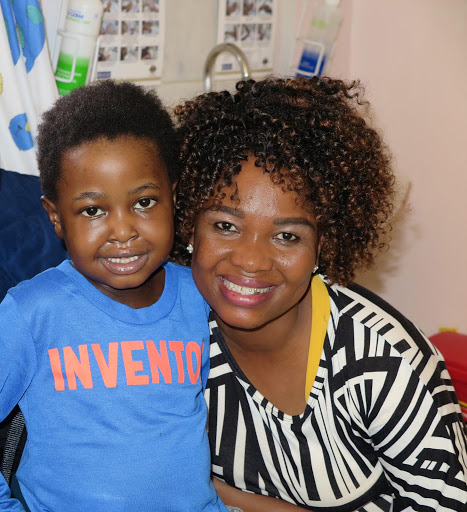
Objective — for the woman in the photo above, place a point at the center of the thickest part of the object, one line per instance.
(320, 394)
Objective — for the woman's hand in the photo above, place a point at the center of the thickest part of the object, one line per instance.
(250, 502)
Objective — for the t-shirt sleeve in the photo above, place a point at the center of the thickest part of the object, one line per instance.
(17, 353)
(18, 360)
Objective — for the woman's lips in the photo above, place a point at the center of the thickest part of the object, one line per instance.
(246, 293)
(124, 265)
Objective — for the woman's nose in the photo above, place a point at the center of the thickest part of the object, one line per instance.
(252, 254)
(121, 227)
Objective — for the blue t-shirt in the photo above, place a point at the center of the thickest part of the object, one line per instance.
(112, 396)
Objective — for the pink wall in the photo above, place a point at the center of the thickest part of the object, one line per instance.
(412, 57)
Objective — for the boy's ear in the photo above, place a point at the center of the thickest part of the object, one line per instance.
(53, 215)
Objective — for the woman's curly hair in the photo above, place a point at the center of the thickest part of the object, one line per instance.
(103, 109)
(311, 136)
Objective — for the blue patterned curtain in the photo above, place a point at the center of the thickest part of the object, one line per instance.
(27, 83)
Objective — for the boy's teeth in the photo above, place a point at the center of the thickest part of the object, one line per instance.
(123, 260)
(244, 290)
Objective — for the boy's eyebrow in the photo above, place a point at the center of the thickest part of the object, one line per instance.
(297, 221)
(89, 195)
(100, 195)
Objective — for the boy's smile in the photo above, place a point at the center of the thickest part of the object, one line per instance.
(115, 214)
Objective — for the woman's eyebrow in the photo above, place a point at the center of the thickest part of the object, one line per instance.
(297, 221)
(227, 209)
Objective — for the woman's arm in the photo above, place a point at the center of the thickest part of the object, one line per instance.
(250, 502)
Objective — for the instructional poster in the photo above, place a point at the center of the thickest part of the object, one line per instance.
(131, 40)
(250, 25)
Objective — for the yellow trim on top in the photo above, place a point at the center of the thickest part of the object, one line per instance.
(320, 312)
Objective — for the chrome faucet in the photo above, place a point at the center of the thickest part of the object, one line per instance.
(211, 58)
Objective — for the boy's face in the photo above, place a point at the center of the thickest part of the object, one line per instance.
(115, 212)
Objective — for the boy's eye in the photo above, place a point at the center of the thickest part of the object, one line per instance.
(145, 203)
(92, 211)
(287, 237)
(225, 226)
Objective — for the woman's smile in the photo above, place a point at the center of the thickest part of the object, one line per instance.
(242, 295)
(244, 289)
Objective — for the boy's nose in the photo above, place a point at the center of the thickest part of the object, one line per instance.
(252, 255)
(121, 228)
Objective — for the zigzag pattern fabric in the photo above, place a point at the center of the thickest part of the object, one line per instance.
(382, 429)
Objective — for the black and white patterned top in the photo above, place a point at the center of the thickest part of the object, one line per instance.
(382, 429)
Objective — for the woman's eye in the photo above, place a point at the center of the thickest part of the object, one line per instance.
(92, 211)
(225, 226)
(145, 203)
(287, 237)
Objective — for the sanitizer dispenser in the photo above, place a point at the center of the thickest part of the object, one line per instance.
(78, 50)
(318, 40)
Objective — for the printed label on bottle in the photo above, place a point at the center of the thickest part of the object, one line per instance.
(312, 61)
(64, 68)
(78, 18)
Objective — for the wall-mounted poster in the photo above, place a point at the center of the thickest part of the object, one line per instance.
(131, 41)
(249, 24)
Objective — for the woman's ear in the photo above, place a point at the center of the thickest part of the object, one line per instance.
(318, 248)
(54, 217)
(174, 192)
(189, 246)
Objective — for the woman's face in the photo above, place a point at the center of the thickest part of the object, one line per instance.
(253, 258)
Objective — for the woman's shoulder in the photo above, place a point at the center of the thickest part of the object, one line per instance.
(371, 338)
(358, 309)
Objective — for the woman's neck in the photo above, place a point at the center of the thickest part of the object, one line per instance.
(274, 357)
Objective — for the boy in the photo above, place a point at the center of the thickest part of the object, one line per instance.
(107, 353)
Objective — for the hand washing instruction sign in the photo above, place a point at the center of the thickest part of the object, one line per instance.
(250, 25)
(131, 39)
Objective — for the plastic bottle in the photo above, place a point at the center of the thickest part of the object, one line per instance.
(78, 50)
(318, 41)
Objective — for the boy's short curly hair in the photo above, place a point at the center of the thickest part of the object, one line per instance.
(311, 136)
(103, 109)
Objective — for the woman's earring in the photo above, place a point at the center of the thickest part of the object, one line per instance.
(315, 269)
(189, 248)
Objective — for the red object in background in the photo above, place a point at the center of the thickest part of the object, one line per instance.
(453, 346)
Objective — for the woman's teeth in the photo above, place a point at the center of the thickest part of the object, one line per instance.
(244, 290)
(123, 260)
